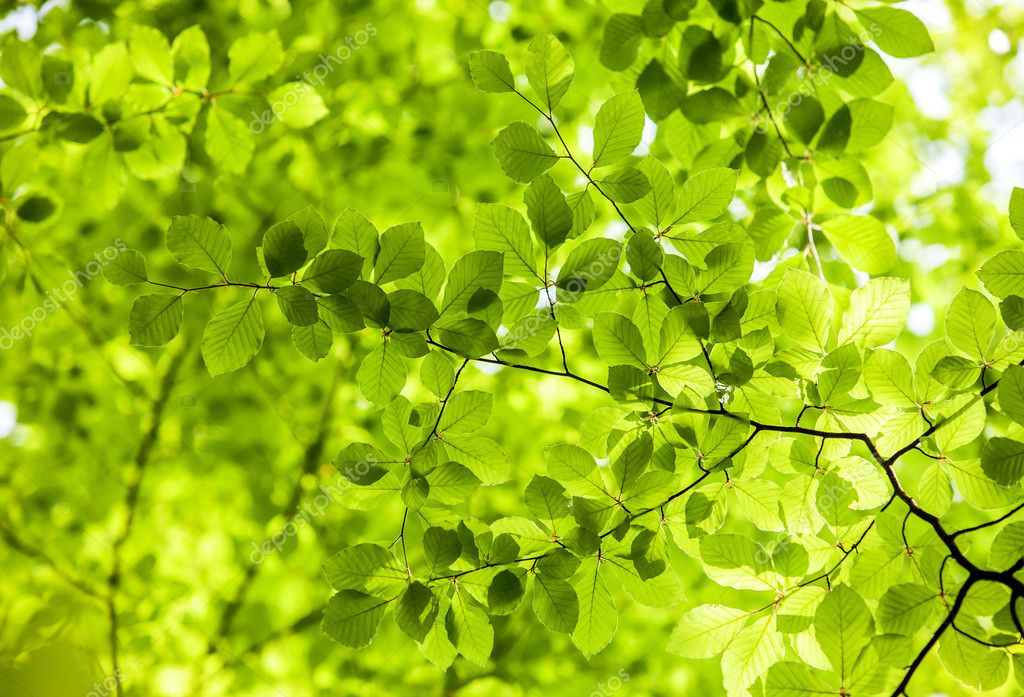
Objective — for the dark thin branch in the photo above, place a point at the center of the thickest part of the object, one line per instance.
(827, 576)
(983, 642)
(488, 565)
(901, 689)
(311, 458)
(225, 284)
(792, 46)
(764, 97)
(535, 369)
(1016, 509)
(19, 545)
(131, 501)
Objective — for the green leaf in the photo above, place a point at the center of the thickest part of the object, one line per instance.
(617, 128)
(340, 314)
(644, 256)
(470, 337)
(1002, 459)
(897, 32)
(970, 322)
(128, 267)
(842, 626)
(151, 54)
(971, 663)
(630, 464)
(333, 271)
(728, 267)
(110, 75)
(622, 36)
(502, 229)
(228, 139)
(751, 653)
(598, 617)
(313, 228)
(351, 618)
(906, 608)
(452, 483)
(297, 104)
(714, 104)
(658, 207)
(416, 611)
(1011, 393)
(254, 57)
(482, 456)
(1008, 547)
(441, 548)
(706, 631)
(1012, 310)
(678, 342)
(465, 412)
(469, 628)
(618, 340)
(410, 311)
(706, 195)
(545, 498)
(624, 184)
(505, 592)
(556, 604)
(284, 251)
(549, 68)
(352, 231)
(522, 152)
(1003, 274)
(877, 313)
(590, 265)
(381, 375)
(199, 243)
(661, 94)
(313, 341)
(191, 53)
(20, 68)
(437, 373)
(402, 251)
(364, 566)
(476, 271)
(934, 491)
(233, 336)
(862, 241)
(804, 310)
(1017, 211)
(297, 305)
(491, 72)
(12, 114)
(791, 679)
(649, 554)
(836, 134)
(871, 121)
(805, 118)
(549, 212)
(155, 319)
(889, 378)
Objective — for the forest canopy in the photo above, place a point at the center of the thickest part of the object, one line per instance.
(641, 347)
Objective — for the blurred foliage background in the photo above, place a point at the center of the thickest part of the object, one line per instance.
(235, 458)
